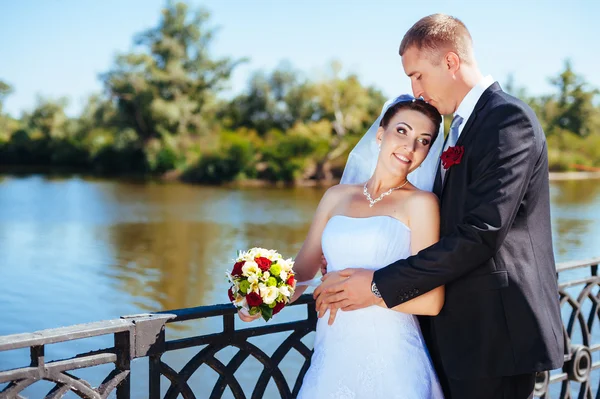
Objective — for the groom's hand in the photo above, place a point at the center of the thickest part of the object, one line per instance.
(328, 280)
(351, 291)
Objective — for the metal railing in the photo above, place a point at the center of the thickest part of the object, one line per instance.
(143, 336)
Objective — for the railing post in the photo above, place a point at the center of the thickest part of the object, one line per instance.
(148, 339)
(37, 356)
(123, 363)
(154, 377)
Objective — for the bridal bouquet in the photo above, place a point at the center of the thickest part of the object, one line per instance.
(261, 282)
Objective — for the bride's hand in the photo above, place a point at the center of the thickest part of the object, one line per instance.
(247, 317)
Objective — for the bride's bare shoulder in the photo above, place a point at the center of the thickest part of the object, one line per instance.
(334, 197)
(339, 193)
(422, 200)
(343, 189)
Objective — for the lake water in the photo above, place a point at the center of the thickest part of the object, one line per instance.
(76, 250)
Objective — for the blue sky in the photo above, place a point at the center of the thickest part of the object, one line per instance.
(58, 48)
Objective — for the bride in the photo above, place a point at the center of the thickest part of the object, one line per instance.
(379, 214)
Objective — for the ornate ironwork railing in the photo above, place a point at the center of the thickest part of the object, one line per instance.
(144, 336)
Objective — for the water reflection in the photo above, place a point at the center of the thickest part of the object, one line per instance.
(167, 265)
(575, 218)
(570, 233)
(575, 192)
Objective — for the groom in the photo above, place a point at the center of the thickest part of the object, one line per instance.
(501, 321)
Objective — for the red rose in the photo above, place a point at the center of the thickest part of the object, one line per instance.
(290, 281)
(253, 299)
(230, 294)
(278, 307)
(263, 263)
(237, 268)
(452, 156)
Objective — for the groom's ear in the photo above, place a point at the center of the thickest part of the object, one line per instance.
(452, 61)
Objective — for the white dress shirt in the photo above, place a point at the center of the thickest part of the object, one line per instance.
(467, 105)
(464, 110)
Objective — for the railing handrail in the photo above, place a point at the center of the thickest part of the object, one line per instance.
(62, 334)
(570, 265)
(111, 326)
(87, 330)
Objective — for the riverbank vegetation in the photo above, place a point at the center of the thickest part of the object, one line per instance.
(162, 113)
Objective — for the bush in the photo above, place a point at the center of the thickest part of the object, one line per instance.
(285, 156)
(567, 150)
(66, 152)
(235, 158)
(26, 147)
(110, 160)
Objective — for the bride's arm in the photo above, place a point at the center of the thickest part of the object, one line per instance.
(308, 260)
(424, 214)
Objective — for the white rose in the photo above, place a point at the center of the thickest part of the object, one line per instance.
(283, 275)
(253, 279)
(269, 294)
(286, 265)
(273, 255)
(257, 252)
(250, 268)
(285, 291)
(241, 302)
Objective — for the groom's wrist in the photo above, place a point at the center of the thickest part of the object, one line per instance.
(374, 289)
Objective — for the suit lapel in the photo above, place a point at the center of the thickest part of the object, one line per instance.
(467, 132)
(437, 182)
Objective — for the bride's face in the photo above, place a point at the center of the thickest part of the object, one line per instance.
(405, 142)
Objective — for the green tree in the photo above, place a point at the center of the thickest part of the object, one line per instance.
(170, 86)
(5, 91)
(272, 101)
(349, 107)
(7, 124)
(48, 119)
(573, 110)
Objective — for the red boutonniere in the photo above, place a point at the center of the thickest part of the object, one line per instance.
(452, 156)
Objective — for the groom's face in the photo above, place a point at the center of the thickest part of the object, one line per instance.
(429, 79)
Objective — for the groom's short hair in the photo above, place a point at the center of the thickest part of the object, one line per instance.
(439, 32)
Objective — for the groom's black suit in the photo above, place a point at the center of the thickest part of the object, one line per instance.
(501, 316)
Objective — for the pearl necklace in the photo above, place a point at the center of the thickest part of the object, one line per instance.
(388, 192)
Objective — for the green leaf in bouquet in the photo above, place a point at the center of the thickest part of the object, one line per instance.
(272, 304)
(254, 310)
(267, 313)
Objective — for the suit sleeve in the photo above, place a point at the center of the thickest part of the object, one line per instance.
(507, 150)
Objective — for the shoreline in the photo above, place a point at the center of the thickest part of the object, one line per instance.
(560, 176)
(172, 177)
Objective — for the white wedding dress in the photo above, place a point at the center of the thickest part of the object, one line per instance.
(371, 353)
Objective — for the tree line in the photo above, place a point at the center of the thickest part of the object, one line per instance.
(161, 113)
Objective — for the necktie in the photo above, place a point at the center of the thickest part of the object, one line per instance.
(452, 138)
